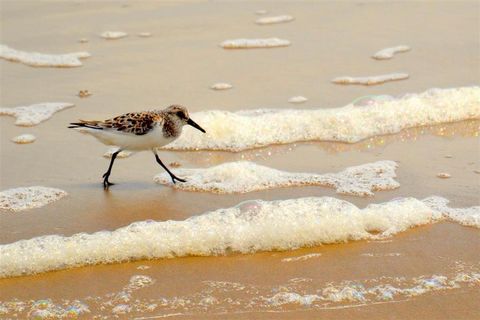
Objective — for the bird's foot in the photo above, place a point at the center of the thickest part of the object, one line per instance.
(174, 177)
(106, 183)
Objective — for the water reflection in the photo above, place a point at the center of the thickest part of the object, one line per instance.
(469, 128)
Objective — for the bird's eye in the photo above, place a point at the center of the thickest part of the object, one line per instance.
(180, 114)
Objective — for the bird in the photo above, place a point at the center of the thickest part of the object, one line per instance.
(138, 131)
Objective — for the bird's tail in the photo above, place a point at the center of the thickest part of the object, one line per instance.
(91, 124)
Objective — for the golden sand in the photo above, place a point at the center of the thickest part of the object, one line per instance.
(178, 65)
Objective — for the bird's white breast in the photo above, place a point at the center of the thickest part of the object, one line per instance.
(129, 141)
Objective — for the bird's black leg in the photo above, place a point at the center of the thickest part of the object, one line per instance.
(105, 176)
(174, 177)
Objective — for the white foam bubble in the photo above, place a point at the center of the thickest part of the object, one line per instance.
(24, 138)
(221, 86)
(388, 53)
(381, 255)
(254, 43)
(34, 114)
(276, 19)
(36, 59)
(465, 216)
(371, 80)
(302, 258)
(121, 155)
(261, 12)
(297, 99)
(237, 131)
(19, 199)
(113, 35)
(249, 227)
(444, 175)
(244, 176)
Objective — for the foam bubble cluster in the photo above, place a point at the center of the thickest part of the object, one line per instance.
(34, 114)
(297, 99)
(24, 138)
(275, 19)
(244, 176)
(123, 154)
(302, 258)
(220, 297)
(371, 80)
(249, 227)
(254, 43)
(388, 53)
(36, 59)
(237, 131)
(20, 199)
(221, 86)
(465, 216)
(113, 35)
(366, 292)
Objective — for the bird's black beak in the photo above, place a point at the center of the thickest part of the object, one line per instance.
(195, 125)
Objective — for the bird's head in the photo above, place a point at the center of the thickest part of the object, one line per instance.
(179, 114)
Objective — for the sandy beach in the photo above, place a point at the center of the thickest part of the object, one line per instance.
(179, 63)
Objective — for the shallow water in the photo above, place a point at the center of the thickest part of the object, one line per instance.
(359, 279)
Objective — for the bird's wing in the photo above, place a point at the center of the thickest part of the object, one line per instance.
(138, 123)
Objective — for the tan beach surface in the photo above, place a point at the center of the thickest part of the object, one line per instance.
(178, 64)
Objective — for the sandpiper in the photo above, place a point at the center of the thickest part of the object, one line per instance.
(138, 131)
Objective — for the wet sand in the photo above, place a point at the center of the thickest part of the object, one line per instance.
(178, 64)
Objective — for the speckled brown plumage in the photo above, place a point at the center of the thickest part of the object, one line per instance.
(138, 123)
(169, 129)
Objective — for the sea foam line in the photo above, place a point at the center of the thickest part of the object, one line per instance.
(388, 53)
(244, 176)
(370, 80)
(254, 43)
(247, 129)
(36, 59)
(34, 114)
(273, 20)
(219, 297)
(248, 227)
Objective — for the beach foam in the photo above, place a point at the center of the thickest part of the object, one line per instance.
(365, 292)
(123, 154)
(370, 80)
(24, 138)
(237, 131)
(302, 258)
(34, 114)
(221, 86)
(20, 199)
(388, 53)
(254, 43)
(219, 297)
(273, 20)
(113, 35)
(248, 227)
(36, 59)
(243, 177)
(465, 216)
(297, 99)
